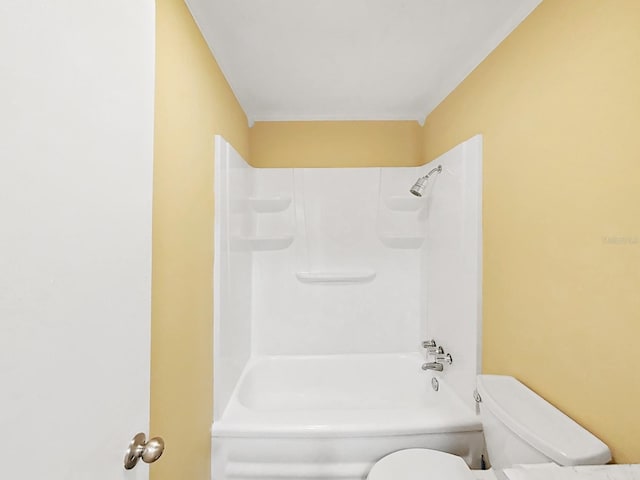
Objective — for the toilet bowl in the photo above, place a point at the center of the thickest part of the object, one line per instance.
(420, 464)
(520, 427)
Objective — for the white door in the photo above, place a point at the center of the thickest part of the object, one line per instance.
(76, 138)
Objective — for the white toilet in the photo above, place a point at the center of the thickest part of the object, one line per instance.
(519, 426)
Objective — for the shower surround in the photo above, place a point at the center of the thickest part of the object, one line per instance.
(326, 284)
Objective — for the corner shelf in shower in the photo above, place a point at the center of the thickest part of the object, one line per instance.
(259, 243)
(403, 203)
(327, 277)
(269, 204)
(403, 242)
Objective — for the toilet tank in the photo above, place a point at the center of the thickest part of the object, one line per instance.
(520, 427)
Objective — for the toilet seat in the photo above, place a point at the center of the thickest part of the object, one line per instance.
(420, 464)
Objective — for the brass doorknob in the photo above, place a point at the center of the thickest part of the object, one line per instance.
(139, 448)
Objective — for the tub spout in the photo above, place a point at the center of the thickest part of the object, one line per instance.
(438, 367)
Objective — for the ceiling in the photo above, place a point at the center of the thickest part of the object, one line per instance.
(351, 59)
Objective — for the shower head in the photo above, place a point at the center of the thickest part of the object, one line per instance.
(421, 183)
(419, 186)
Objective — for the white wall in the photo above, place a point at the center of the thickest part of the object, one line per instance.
(452, 263)
(232, 296)
(339, 288)
(76, 158)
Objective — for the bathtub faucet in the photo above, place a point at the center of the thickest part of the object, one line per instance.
(438, 367)
(438, 354)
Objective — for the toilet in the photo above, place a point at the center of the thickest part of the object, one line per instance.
(520, 428)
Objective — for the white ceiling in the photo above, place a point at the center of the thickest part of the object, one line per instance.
(351, 59)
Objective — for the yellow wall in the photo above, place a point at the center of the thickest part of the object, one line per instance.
(330, 144)
(558, 104)
(193, 102)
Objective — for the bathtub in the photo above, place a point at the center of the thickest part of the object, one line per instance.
(333, 417)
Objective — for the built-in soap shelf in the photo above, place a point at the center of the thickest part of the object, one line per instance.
(399, 221)
(403, 203)
(263, 243)
(333, 277)
(267, 242)
(404, 242)
(269, 204)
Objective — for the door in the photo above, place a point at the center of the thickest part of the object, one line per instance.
(76, 138)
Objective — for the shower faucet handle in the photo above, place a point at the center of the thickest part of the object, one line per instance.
(429, 343)
(441, 357)
(431, 347)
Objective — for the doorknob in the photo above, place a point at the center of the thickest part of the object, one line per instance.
(139, 448)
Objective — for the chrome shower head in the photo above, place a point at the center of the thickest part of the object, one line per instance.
(420, 185)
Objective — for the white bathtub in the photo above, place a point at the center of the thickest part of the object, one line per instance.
(333, 417)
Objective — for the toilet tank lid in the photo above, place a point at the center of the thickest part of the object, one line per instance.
(539, 423)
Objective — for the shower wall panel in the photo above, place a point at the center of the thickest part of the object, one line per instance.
(341, 287)
(452, 264)
(232, 272)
